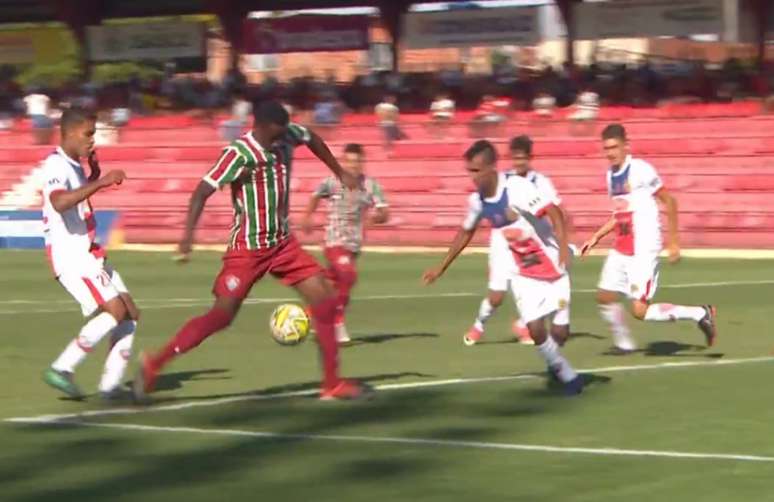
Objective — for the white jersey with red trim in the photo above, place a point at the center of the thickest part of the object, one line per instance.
(638, 224)
(69, 235)
(525, 243)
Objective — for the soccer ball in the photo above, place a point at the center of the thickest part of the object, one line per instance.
(289, 324)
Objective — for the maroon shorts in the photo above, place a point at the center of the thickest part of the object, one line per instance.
(287, 261)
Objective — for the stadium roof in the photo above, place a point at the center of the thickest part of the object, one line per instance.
(32, 11)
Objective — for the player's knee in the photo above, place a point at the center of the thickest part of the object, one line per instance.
(348, 277)
(560, 334)
(605, 297)
(639, 309)
(116, 308)
(496, 298)
(537, 331)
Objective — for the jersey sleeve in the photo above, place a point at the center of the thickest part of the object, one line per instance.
(298, 135)
(227, 169)
(377, 194)
(324, 189)
(55, 178)
(474, 212)
(647, 178)
(548, 190)
(524, 196)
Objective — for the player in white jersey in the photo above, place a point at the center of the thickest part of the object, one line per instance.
(78, 262)
(521, 155)
(520, 242)
(632, 266)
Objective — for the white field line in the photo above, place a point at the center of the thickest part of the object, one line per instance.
(172, 303)
(441, 443)
(385, 387)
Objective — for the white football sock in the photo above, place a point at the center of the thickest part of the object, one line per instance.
(91, 333)
(614, 314)
(485, 311)
(669, 312)
(118, 358)
(550, 352)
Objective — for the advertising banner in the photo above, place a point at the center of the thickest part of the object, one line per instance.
(464, 28)
(305, 33)
(159, 41)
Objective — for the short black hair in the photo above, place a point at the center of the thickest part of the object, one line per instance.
(354, 148)
(74, 116)
(482, 146)
(522, 143)
(614, 131)
(270, 112)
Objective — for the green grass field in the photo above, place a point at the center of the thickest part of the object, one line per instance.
(216, 430)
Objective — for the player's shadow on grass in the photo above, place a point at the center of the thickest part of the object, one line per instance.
(386, 337)
(174, 381)
(573, 336)
(672, 349)
(295, 390)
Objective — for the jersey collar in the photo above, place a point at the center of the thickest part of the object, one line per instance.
(69, 160)
(501, 178)
(624, 168)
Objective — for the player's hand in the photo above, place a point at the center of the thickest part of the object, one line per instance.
(431, 275)
(307, 225)
(183, 252)
(588, 246)
(115, 177)
(94, 168)
(674, 253)
(349, 180)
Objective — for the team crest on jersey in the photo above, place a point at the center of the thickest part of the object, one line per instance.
(232, 282)
(562, 304)
(343, 260)
(634, 289)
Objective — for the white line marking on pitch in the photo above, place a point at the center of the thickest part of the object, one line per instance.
(173, 303)
(432, 442)
(384, 387)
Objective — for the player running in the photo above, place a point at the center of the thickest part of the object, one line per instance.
(344, 232)
(533, 253)
(79, 263)
(632, 266)
(521, 156)
(257, 169)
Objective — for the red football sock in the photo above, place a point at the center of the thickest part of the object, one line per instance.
(344, 283)
(192, 334)
(323, 314)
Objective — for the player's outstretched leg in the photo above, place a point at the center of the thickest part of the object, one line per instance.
(615, 315)
(488, 306)
(60, 374)
(194, 332)
(558, 366)
(704, 316)
(321, 298)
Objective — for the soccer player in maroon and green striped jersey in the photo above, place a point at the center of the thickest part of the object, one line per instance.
(344, 231)
(257, 167)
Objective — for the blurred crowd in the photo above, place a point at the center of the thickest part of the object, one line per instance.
(441, 93)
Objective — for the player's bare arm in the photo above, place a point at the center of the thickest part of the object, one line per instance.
(670, 203)
(195, 207)
(556, 215)
(598, 235)
(460, 242)
(306, 220)
(320, 149)
(62, 200)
